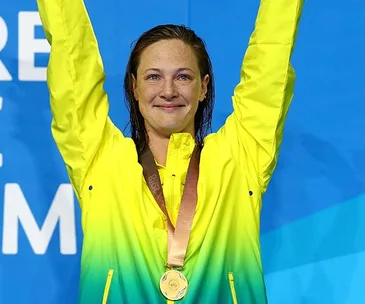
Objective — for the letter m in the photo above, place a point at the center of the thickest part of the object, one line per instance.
(17, 211)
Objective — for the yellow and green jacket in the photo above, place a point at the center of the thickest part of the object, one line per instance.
(125, 232)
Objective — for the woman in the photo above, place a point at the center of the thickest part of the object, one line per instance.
(189, 241)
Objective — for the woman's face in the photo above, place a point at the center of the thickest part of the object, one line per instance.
(168, 87)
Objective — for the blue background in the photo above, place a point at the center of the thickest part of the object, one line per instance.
(313, 218)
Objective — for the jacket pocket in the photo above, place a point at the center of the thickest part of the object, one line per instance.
(233, 289)
(107, 285)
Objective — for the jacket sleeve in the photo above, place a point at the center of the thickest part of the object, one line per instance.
(261, 99)
(75, 79)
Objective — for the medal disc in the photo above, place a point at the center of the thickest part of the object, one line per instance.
(173, 285)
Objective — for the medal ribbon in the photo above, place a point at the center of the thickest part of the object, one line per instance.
(178, 237)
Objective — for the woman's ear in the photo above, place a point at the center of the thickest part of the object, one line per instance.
(204, 88)
(134, 85)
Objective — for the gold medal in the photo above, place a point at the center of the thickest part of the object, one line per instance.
(173, 285)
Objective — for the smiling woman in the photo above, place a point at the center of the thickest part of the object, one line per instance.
(169, 87)
(171, 214)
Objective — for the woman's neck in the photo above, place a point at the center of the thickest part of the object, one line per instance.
(159, 146)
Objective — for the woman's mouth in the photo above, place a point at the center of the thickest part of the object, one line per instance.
(169, 108)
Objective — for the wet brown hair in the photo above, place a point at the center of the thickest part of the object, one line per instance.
(203, 116)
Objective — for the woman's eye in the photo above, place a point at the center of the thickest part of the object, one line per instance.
(153, 77)
(184, 77)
